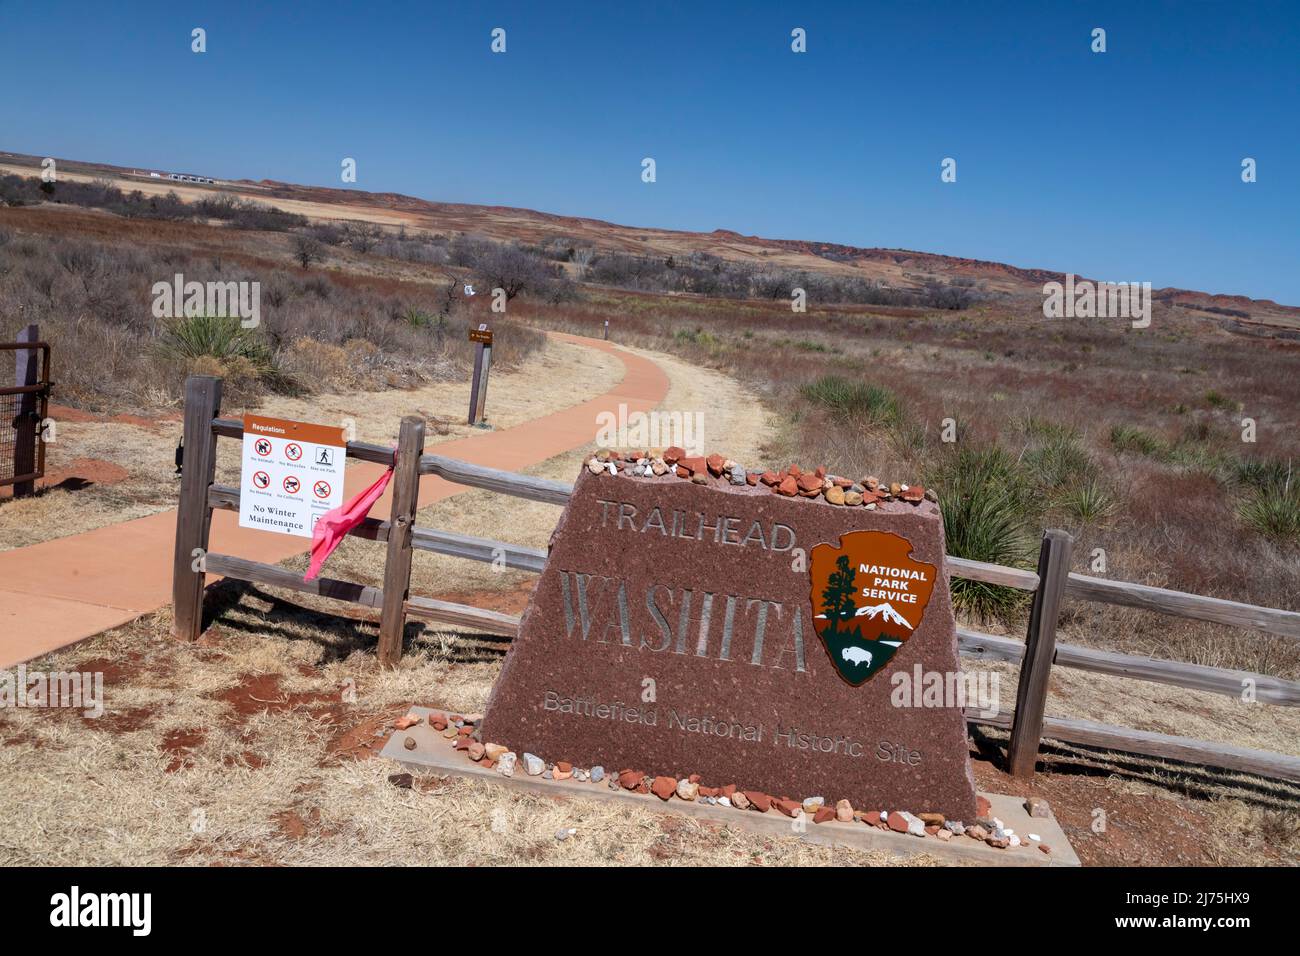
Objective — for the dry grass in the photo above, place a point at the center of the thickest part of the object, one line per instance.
(188, 768)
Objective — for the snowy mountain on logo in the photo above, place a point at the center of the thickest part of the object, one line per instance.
(885, 612)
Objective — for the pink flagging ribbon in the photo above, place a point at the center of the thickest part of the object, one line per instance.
(335, 524)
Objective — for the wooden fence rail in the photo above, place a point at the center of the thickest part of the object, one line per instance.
(1050, 585)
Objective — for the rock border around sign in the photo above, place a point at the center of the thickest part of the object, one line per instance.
(418, 747)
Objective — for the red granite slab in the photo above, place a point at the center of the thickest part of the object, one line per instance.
(674, 630)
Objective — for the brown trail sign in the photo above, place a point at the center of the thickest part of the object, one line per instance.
(482, 339)
(679, 629)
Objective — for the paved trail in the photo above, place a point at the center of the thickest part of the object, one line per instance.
(62, 591)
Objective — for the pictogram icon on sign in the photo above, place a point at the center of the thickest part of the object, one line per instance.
(324, 457)
(293, 451)
(261, 479)
(321, 489)
(291, 484)
(262, 446)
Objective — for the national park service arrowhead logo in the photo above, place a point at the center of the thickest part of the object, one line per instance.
(868, 598)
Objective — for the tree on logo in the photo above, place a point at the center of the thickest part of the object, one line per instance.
(837, 598)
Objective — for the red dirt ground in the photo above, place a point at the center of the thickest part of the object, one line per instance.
(77, 474)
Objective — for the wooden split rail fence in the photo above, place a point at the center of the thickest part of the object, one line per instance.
(1050, 585)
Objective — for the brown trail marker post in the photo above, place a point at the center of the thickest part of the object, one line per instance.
(752, 638)
(482, 339)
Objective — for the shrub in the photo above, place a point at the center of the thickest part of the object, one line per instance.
(1216, 399)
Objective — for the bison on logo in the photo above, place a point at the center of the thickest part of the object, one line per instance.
(868, 598)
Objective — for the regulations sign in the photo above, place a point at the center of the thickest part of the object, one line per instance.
(292, 474)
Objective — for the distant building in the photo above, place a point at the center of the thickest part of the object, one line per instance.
(185, 178)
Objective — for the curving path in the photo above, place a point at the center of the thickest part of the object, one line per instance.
(62, 591)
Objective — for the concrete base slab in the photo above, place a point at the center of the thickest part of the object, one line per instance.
(434, 753)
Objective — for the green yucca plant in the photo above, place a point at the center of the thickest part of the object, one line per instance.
(1273, 510)
(986, 514)
(1088, 502)
(1133, 440)
(850, 400)
(215, 336)
(1057, 462)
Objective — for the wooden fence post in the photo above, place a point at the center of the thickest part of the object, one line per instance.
(397, 566)
(25, 424)
(1040, 649)
(193, 516)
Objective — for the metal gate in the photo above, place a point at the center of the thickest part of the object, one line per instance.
(23, 407)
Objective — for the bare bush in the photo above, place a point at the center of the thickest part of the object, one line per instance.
(307, 250)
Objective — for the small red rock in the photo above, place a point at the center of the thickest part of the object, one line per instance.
(683, 472)
(664, 787)
(438, 723)
(751, 479)
(708, 791)
(563, 766)
(715, 463)
(462, 743)
(897, 822)
(674, 454)
(694, 778)
(410, 720)
(791, 808)
(823, 815)
(697, 464)
(629, 779)
(759, 800)
(789, 487)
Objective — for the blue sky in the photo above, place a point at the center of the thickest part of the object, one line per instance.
(1123, 166)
